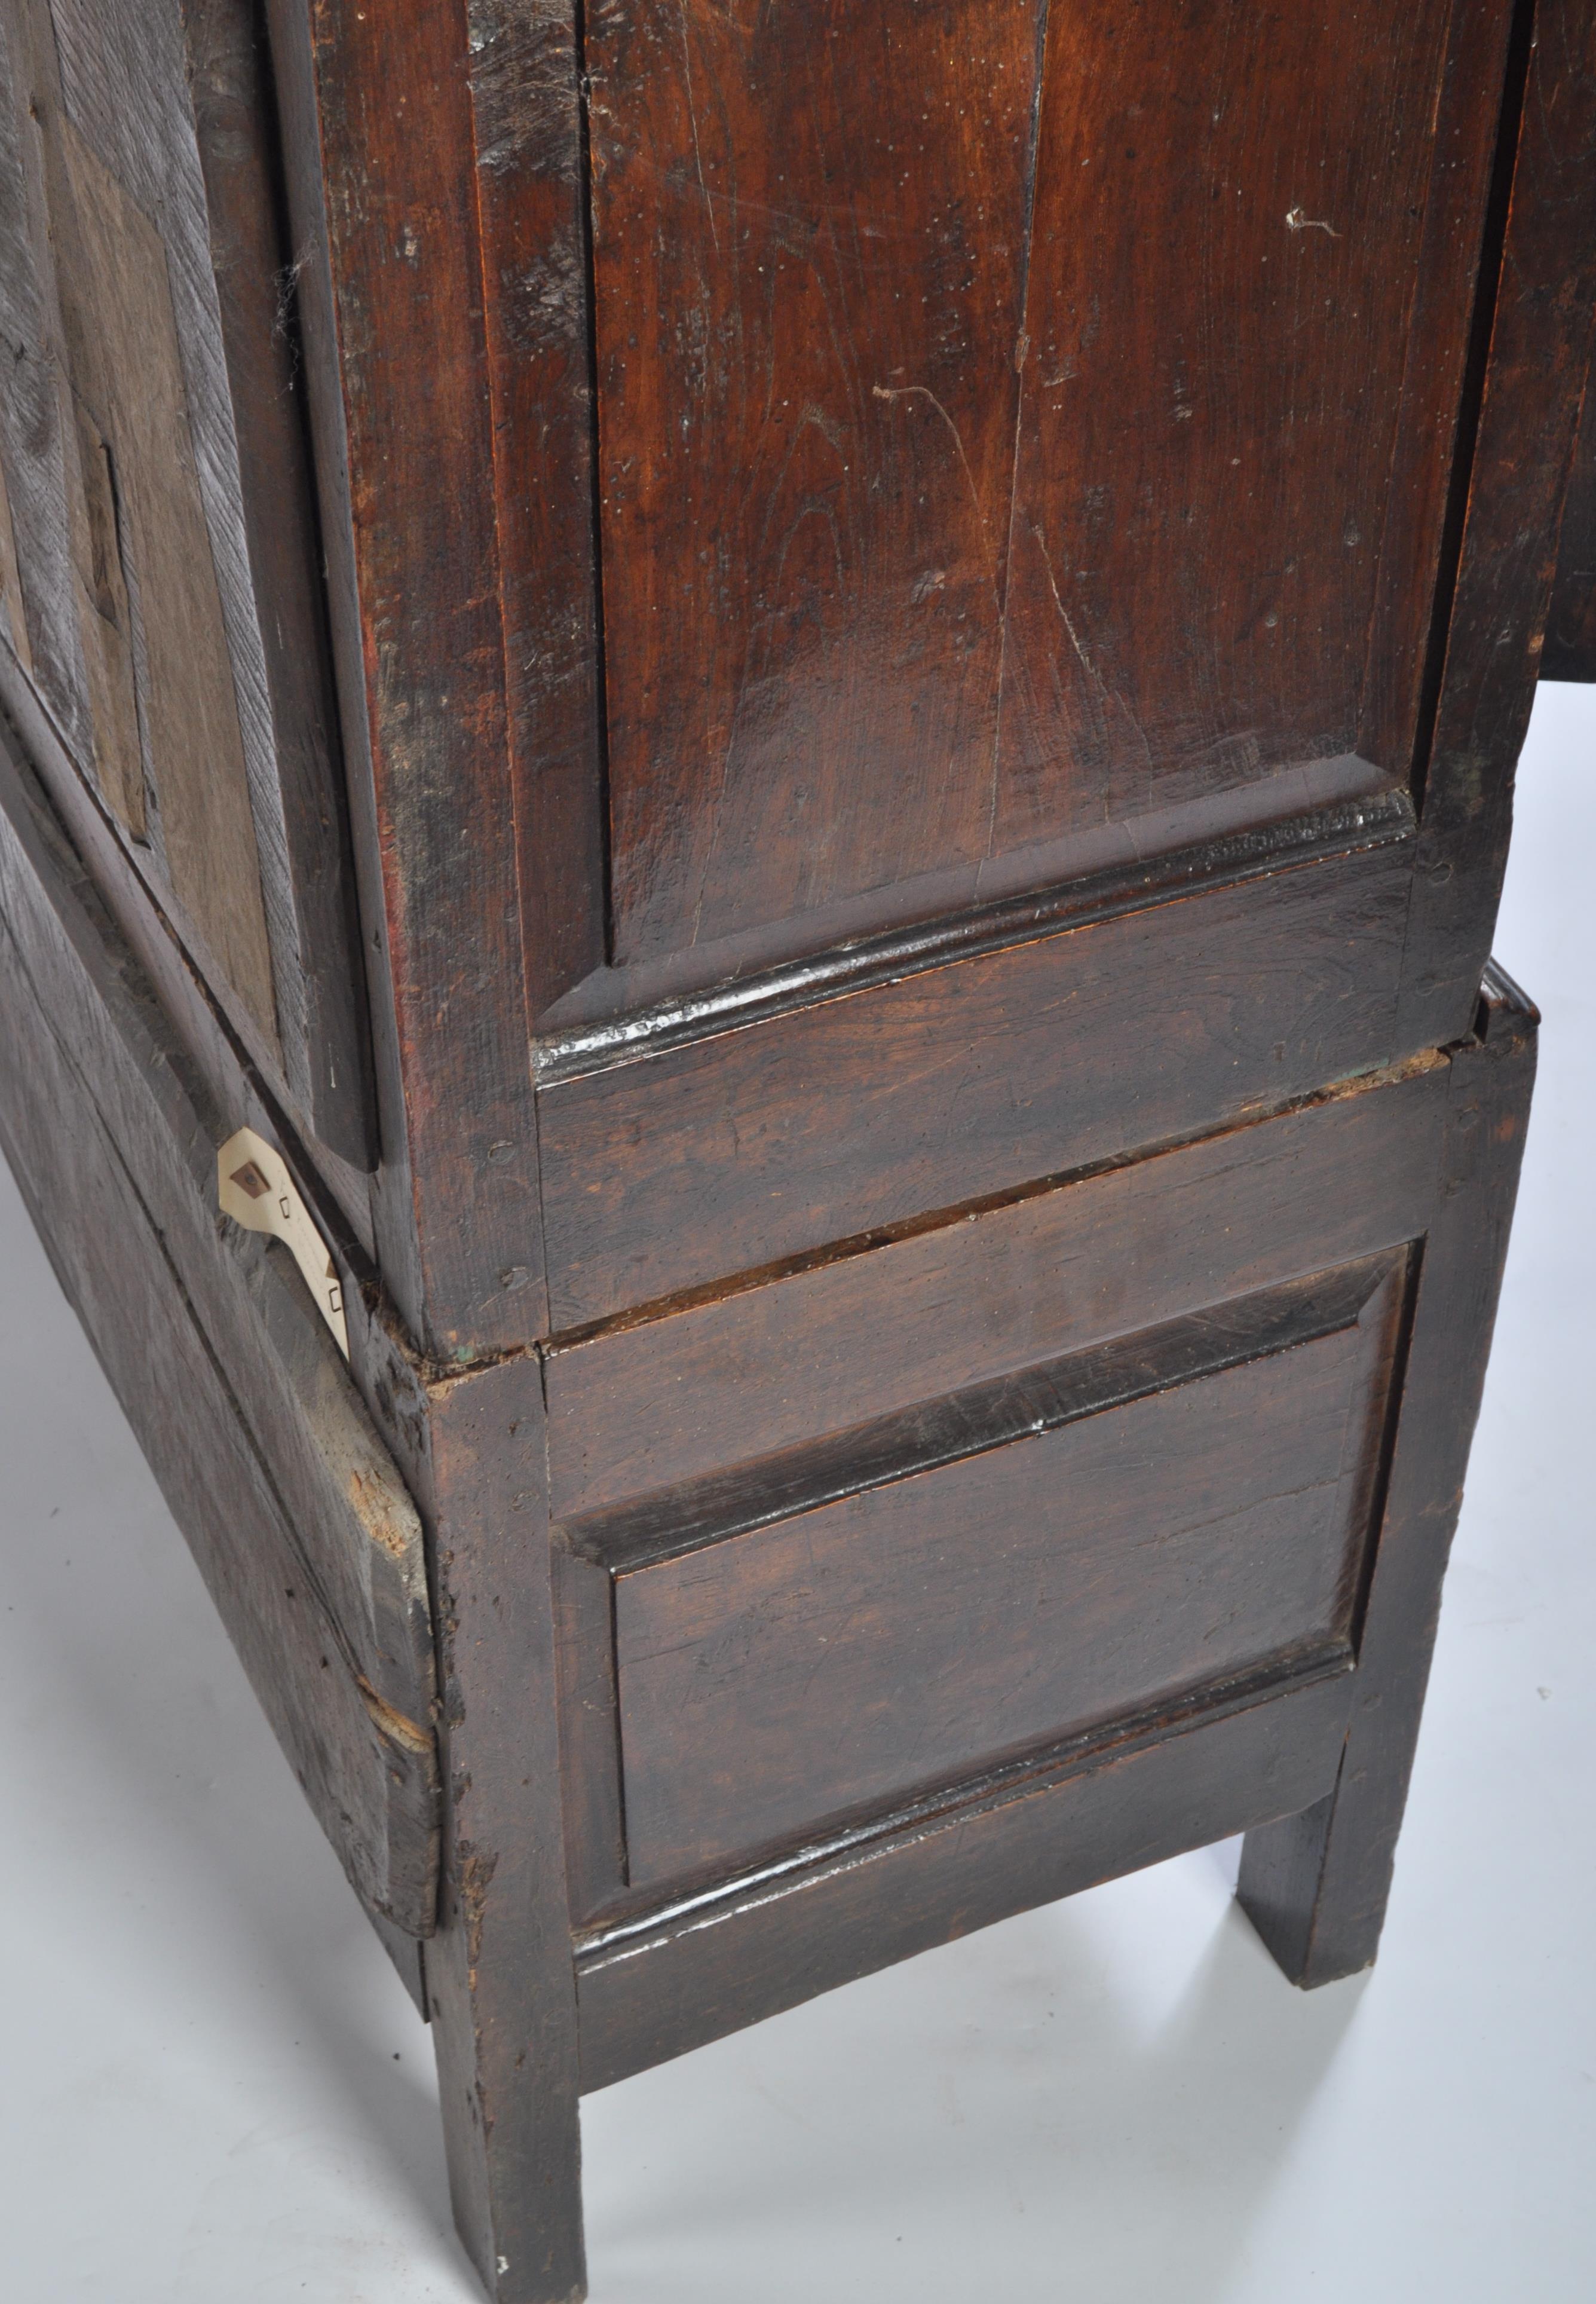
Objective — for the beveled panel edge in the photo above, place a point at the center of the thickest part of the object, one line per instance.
(1384, 820)
(672, 1911)
(1065, 1388)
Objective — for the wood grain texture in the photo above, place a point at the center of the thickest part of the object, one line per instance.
(530, 144)
(105, 629)
(1085, 1555)
(298, 1520)
(37, 436)
(828, 1122)
(657, 1988)
(1316, 1886)
(73, 591)
(810, 267)
(180, 440)
(1539, 341)
(236, 132)
(205, 1027)
(123, 89)
(122, 344)
(1230, 214)
(636, 1408)
(385, 201)
(500, 1977)
(12, 603)
(1570, 651)
(1079, 370)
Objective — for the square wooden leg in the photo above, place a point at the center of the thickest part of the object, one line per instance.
(1316, 1886)
(502, 1988)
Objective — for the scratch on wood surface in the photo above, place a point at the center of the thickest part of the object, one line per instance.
(1296, 220)
(1075, 642)
(1105, 694)
(908, 392)
(687, 64)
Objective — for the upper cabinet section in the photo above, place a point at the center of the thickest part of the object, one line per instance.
(159, 562)
(1013, 421)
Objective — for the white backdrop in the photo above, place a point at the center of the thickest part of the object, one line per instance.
(215, 2092)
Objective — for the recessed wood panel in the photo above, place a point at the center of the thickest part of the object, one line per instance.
(810, 240)
(168, 606)
(1082, 1543)
(996, 444)
(121, 335)
(1230, 218)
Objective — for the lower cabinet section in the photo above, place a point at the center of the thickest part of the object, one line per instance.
(938, 1576)
(830, 1613)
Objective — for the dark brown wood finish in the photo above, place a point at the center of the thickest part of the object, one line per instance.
(499, 1975)
(643, 1407)
(999, 1570)
(831, 1117)
(951, 374)
(531, 158)
(384, 206)
(1540, 324)
(657, 1988)
(1223, 286)
(665, 1969)
(811, 254)
(1570, 652)
(926, 615)
(1316, 1886)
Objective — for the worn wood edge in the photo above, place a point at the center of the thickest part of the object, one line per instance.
(265, 1344)
(238, 141)
(182, 1101)
(1537, 319)
(849, 1245)
(1570, 650)
(237, 1071)
(771, 1942)
(626, 1921)
(386, 212)
(126, 113)
(1064, 1389)
(1344, 829)
(1344, 1846)
(395, 1244)
(500, 1980)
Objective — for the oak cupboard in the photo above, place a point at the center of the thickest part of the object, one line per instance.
(813, 711)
